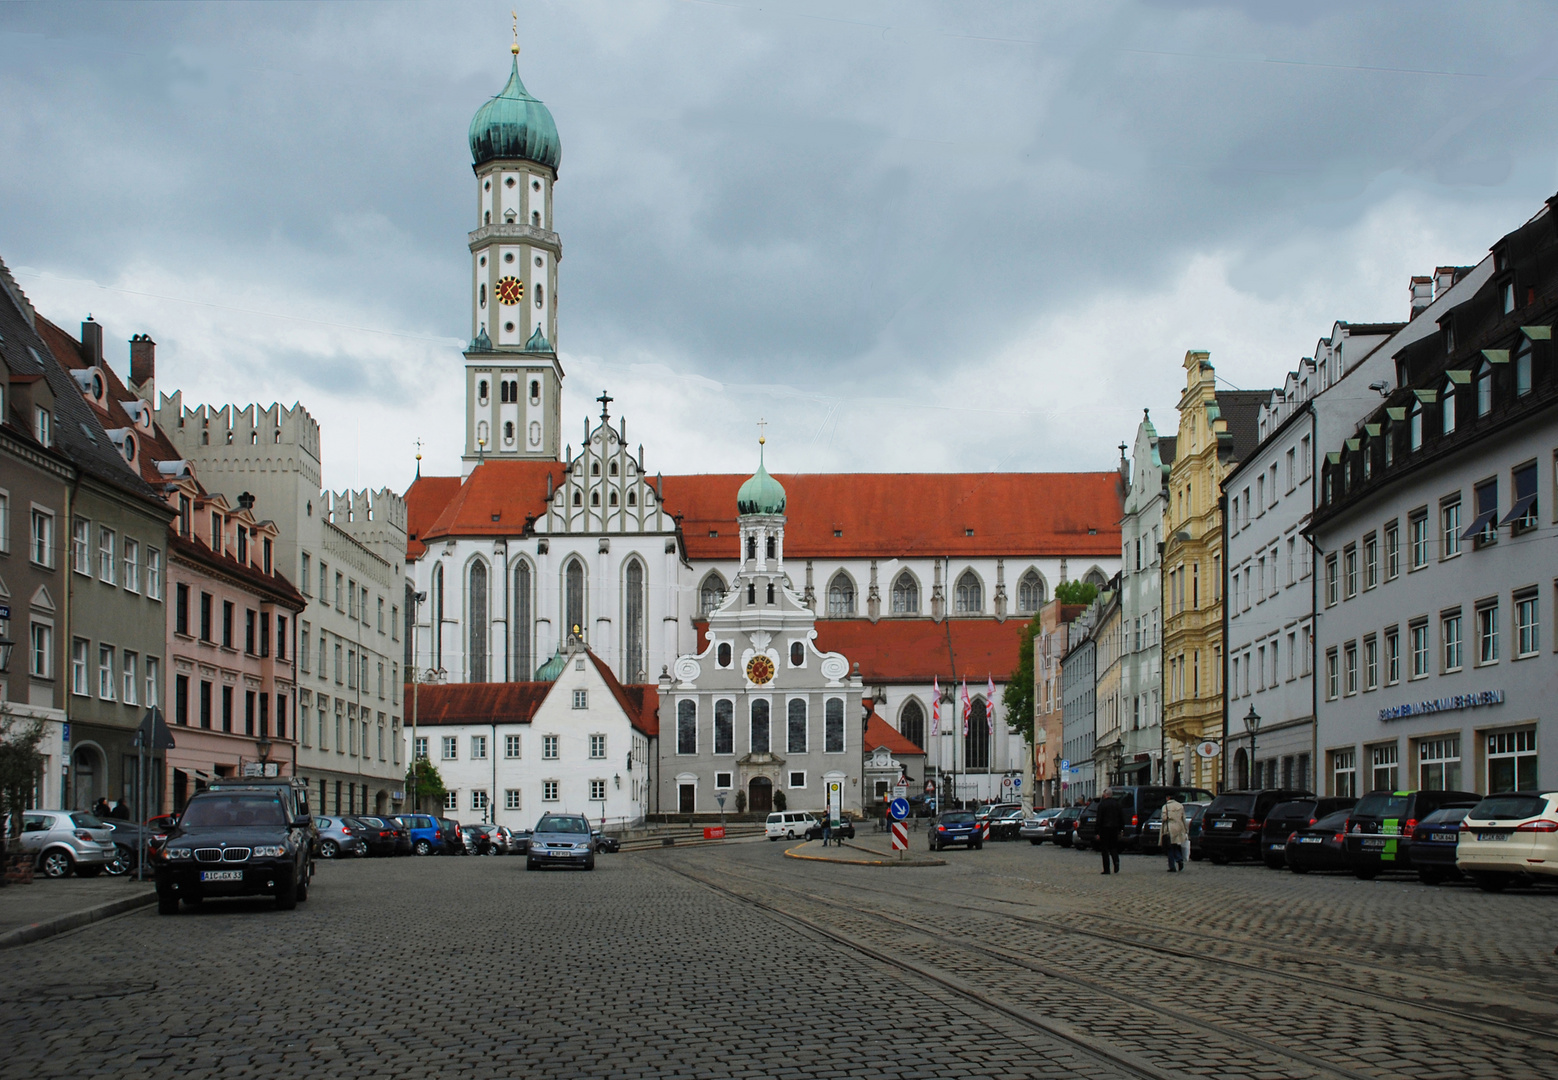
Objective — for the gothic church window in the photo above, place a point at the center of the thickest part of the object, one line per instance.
(841, 597)
(760, 740)
(436, 613)
(573, 597)
(911, 723)
(578, 499)
(612, 499)
(612, 469)
(906, 595)
(476, 617)
(970, 594)
(594, 468)
(795, 731)
(594, 498)
(632, 498)
(710, 594)
(524, 624)
(633, 623)
(1030, 592)
(976, 744)
(1095, 578)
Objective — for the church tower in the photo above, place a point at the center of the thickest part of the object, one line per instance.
(513, 381)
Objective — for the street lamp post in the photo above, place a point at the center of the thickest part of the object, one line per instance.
(1252, 723)
(431, 675)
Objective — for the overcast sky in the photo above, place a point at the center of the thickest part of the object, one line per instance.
(958, 236)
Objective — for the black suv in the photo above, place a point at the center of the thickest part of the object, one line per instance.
(1379, 832)
(1066, 824)
(235, 840)
(1137, 804)
(1287, 818)
(1231, 827)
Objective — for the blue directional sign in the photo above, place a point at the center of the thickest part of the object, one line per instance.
(1017, 782)
(898, 809)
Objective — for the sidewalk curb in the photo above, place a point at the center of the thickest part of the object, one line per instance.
(912, 861)
(71, 920)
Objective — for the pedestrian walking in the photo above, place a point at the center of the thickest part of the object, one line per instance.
(1110, 820)
(100, 809)
(1174, 833)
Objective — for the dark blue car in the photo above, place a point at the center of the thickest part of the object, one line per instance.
(1434, 843)
(956, 827)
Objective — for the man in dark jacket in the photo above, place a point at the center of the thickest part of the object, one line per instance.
(1111, 819)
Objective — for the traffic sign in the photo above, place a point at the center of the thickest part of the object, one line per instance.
(1006, 781)
(930, 787)
(898, 808)
(900, 836)
(900, 791)
(1017, 782)
(1065, 763)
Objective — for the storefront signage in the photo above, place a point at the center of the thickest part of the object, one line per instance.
(1444, 704)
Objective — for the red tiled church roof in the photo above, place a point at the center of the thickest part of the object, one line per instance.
(880, 733)
(915, 650)
(837, 515)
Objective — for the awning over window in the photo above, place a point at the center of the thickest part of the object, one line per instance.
(1538, 333)
(1481, 522)
(1521, 508)
(1496, 356)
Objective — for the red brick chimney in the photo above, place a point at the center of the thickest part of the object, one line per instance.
(143, 365)
(92, 342)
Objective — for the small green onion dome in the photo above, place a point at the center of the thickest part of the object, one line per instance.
(549, 671)
(515, 125)
(761, 494)
(538, 342)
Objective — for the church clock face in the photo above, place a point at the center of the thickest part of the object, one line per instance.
(760, 670)
(510, 290)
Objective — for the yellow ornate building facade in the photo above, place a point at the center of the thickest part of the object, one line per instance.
(1216, 428)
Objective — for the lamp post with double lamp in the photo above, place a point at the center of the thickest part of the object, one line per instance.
(263, 748)
(1252, 723)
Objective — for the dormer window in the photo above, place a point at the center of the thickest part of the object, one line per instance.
(43, 426)
(1523, 368)
(243, 544)
(1485, 389)
(1449, 336)
(1417, 426)
(508, 217)
(1508, 293)
(1448, 408)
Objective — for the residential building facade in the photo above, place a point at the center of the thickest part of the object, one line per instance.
(1141, 604)
(1108, 739)
(1079, 707)
(1050, 645)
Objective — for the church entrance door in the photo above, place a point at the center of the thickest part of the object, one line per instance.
(685, 793)
(760, 795)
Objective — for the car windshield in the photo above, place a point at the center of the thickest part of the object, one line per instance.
(1382, 804)
(1332, 822)
(562, 825)
(228, 811)
(1238, 803)
(957, 817)
(1195, 810)
(1509, 806)
(1292, 809)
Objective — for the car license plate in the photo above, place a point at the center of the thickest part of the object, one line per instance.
(559, 854)
(221, 875)
(1222, 824)
(1373, 844)
(1492, 836)
(1446, 837)
(1276, 847)
(1310, 839)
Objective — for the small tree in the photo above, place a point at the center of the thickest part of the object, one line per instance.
(780, 802)
(423, 782)
(1018, 696)
(741, 802)
(1076, 592)
(20, 766)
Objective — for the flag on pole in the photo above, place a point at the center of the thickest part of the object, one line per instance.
(935, 706)
(968, 707)
(990, 706)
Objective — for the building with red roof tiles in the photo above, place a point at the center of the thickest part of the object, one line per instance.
(927, 577)
(576, 741)
(891, 758)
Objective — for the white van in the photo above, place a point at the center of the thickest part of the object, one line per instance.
(788, 824)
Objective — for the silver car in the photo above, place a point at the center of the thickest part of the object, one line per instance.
(62, 841)
(1040, 826)
(339, 838)
(561, 840)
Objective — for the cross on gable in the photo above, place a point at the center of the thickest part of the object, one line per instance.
(605, 400)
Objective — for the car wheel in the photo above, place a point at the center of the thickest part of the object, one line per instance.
(422, 847)
(1430, 877)
(1299, 869)
(1035, 843)
(167, 903)
(124, 861)
(1489, 882)
(329, 849)
(979, 846)
(302, 889)
(790, 835)
(589, 864)
(287, 894)
(56, 864)
(1365, 873)
(530, 864)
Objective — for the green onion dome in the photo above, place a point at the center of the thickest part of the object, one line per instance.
(761, 494)
(549, 671)
(515, 125)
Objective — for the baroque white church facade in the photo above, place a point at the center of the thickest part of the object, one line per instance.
(914, 580)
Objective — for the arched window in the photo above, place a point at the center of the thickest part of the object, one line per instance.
(538, 294)
(1030, 592)
(1417, 426)
(751, 546)
(594, 468)
(686, 727)
(906, 595)
(772, 545)
(508, 432)
(482, 436)
(795, 733)
(724, 726)
(524, 625)
(594, 498)
(797, 654)
(535, 391)
(722, 654)
(911, 723)
(477, 623)
(612, 471)
(481, 391)
(976, 744)
(1095, 577)
(435, 613)
(710, 594)
(841, 597)
(505, 394)
(632, 498)
(633, 623)
(573, 598)
(578, 498)
(970, 595)
(1523, 368)
(760, 726)
(611, 499)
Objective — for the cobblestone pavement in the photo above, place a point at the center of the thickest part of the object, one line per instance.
(1013, 961)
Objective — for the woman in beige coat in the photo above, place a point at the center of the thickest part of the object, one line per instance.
(1174, 833)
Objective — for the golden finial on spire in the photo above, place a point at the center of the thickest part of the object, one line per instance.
(762, 425)
(514, 48)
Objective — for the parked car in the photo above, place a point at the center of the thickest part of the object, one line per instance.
(450, 840)
(519, 842)
(65, 842)
(424, 832)
(1004, 824)
(340, 838)
(1231, 827)
(1152, 831)
(1509, 837)
(1040, 826)
(1137, 802)
(379, 835)
(235, 842)
(504, 838)
(606, 845)
(293, 793)
(956, 827)
(481, 839)
(1065, 825)
(1286, 818)
(787, 824)
(561, 840)
(990, 810)
(845, 828)
(1379, 832)
(128, 838)
(1318, 845)
(1434, 845)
